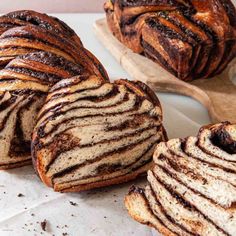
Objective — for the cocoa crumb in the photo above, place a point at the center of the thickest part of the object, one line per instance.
(43, 225)
(73, 203)
(20, 195)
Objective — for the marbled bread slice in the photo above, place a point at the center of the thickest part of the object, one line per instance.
(91, 133)
(23, 86)
(194, 188)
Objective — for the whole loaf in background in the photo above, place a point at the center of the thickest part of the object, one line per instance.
(191, 39)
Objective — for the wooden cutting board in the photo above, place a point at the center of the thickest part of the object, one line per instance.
(217, 94)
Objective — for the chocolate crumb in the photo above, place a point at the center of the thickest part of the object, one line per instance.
(20, 195)
(32, 214)
(43, 225)
(73, 203)
(64, 234)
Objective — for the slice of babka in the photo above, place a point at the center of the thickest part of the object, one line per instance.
(24, 84)
(91, 133)
(191, 39)
(192, 188)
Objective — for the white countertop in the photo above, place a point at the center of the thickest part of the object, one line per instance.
(99, 212)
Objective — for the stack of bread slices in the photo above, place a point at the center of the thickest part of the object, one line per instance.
(192, 188)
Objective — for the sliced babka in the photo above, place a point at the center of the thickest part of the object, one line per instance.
(23, 32)
(36, 51)
(29, 17)
(192, 188)
(24, 84)
(91, 133)
(189, 38)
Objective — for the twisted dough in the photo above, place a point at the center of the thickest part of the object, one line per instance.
(191, 39)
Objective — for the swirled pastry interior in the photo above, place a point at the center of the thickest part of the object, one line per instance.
(192, 188)
(36, 51)
(191, 39)
(91, 134)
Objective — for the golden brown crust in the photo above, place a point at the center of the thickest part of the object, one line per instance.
(16, 165)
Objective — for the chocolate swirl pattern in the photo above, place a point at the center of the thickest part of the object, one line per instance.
(36, 51)
(35, 32)
(49, 23)
(191, 39)
(92, 133)
(192, 187)
(24, 83)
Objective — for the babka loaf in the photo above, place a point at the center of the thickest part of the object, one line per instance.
(92, 133)
(192, 188)
(191, 39)
(36, 51)
(28, 17)
(28, 31)
(23, 86)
